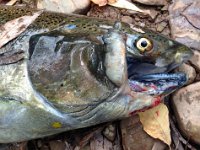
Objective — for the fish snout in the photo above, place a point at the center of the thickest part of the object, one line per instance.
(183, 54)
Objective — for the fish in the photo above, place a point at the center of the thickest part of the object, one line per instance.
(79, 71)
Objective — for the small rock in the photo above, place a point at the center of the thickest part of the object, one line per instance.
(110, 132)
(161, 26)
(151, 2)
(5, 146)
(134, 137)
(127, 19)
(165, 8)
(98, 142)
(166, 32)
(57, 145)
(137, 19)
(151, 12)
(105, 12)
(39, 143)
(182, 22)
(197, 77)
(195, 60)
(192, 13)
(186, 107)
(189, 71)
(64, 6)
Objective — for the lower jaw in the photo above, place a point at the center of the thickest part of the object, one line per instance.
(161, 84)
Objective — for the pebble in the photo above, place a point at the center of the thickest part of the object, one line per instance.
(161, 26)
(183, 30)
(189, 71)
(195, 60)
(127, 19)
(186, 105)
(64, 6)
(57, 145)
(110, 132)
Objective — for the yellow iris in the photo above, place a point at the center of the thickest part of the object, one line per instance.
(144, 44)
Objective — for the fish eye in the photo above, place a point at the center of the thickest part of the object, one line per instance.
(144, 45)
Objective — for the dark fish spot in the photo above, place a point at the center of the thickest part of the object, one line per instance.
(20, 20)
(22, 27)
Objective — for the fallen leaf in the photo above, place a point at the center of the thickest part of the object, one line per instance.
(11, 3)
(126, 5)
(13, 28)
(152, 2)
(155, 122)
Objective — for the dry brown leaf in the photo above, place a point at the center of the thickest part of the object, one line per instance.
(13, 28)
(155, 122)
(152, 2)
(118, 3)
(11, 3)
(126, 5)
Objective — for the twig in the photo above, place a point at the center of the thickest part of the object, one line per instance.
(180, 138)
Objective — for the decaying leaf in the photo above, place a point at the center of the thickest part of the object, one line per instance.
(152, 2)
(118, 3)
(126, 5)
(11, 2)
(156, 123)
(13, 28)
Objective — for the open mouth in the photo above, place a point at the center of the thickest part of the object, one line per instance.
(152, 80)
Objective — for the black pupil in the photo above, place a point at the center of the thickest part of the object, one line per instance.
(144, 43)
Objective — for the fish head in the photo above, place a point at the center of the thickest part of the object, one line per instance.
(156, 49)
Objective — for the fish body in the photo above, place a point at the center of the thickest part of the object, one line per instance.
(69, 77)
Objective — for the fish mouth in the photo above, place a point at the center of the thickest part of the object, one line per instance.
(158, 84)
(152, 80)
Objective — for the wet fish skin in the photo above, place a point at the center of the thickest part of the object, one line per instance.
(61, 84)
